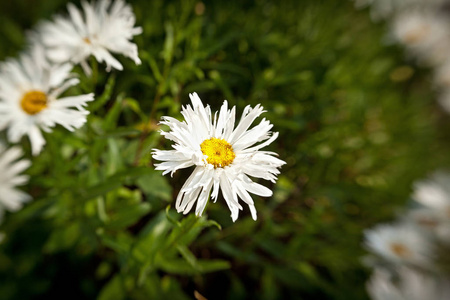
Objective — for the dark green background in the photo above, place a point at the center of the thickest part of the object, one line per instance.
(358, 124)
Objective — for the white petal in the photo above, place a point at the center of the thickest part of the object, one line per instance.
(36, 139)
(255, 188)
(230, 197)
(248, 116)
(244, 195)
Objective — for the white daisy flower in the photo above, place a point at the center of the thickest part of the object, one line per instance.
(399, 243)
(444, 98)
(406, 284)
(425, 34)
(223, 156)
(434, 193)
(431, 222)
(103, 28)
(11, 166)
(442, 75)
(29, 98)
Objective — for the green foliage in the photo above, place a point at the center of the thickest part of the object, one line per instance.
(354, 136)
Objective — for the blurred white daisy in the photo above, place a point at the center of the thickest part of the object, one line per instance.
(431, 222)
(223, 156)
(104, 27)
(29, 98)
(382, 9)
(406, 284)
(399, 243)
(424, 32)
(442, 75)
(11, 167)
(444, 98)
(434, 193)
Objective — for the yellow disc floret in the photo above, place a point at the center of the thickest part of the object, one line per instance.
(33, 102)
(400, 250)
(220, 153)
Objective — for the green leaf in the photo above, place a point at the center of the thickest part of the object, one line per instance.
(190, 265)
(113, 114)
(168, 44)
(151, 239)
(154, 66)
(113, 290)
(113, 158)
(62, 238)
(111, 183)
(105, 96)
(134, 105)
(155, 185)
(128, 216)
(212, 265)
(120, 243)
(121, 132)
(188, 230)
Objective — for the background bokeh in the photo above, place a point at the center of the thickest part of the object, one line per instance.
(358, 125)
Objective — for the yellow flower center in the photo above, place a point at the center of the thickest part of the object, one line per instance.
(415, 36)
(33, 102)
(400, 250)
(219, 152)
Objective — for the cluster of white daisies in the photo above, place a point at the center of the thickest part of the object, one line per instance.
(409, 252)
(32, 85)
(413, 246)
(30, 89)
(423, 27)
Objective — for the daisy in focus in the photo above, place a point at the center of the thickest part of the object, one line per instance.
(11, 166)
(99, 29)
(223, 155)
(29, 98)
(399, 243)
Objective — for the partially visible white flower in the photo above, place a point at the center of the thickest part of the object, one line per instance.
(11, 167)
(223, 155)
(434, 193)
(442, 75)
(424, 32)
(444, 99)
(383, 9)
(399, 243)
(102, 27)
(381, 286)
(406, 284)
(29, 98)
(430, 222)
(380, 9)
(422, 27)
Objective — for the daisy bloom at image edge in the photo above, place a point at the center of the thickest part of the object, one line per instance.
(407, 284)
(223, 156)
(434, 192)
(29, 98)
(102, 28)
(11, 166)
